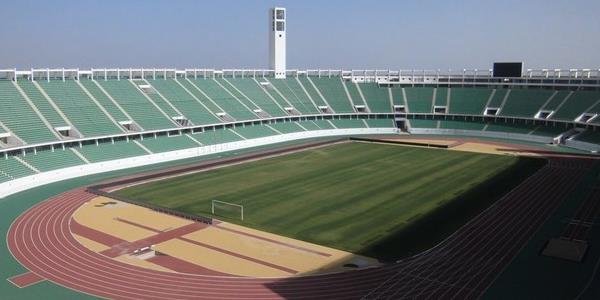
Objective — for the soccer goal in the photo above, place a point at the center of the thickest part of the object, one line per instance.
(223, 206)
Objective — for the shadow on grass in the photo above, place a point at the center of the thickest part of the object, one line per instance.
(432, 228)
(422, 234)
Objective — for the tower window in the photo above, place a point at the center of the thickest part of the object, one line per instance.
(280, 14)
(280, 26)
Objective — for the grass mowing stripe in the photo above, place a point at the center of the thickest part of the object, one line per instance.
(352, 196)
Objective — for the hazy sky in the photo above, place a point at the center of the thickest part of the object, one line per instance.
(321, 34)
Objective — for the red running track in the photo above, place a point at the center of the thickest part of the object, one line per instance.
(462, 266)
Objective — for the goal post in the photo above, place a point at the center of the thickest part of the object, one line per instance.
(215, 204)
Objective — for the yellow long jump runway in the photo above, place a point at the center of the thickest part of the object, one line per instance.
(116, 229)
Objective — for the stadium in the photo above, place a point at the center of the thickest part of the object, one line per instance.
(278, 183)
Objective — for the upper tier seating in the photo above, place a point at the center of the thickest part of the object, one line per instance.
(293, 92)
(104, 100)
(312, 91)
(42, 104)
(20, 118)
(79, 108)
(419, 99)
(333, 91)
(250, 89)
(441, 96)
(378, 98)
(184, 102)
(577, 104)
(468, 101)
(525, 102)
(136, 105)
(223, 99)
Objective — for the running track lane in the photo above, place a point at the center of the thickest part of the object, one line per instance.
(463, 265)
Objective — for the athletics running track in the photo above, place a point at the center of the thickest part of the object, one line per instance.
(462, 266)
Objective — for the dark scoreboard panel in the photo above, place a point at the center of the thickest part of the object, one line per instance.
(508, 69)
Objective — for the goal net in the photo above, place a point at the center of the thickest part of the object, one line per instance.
(227, 209)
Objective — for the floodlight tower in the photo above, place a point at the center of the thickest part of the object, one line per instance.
(277, 26)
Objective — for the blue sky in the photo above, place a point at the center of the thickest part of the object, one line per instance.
(321, 34)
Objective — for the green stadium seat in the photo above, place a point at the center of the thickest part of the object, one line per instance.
(184, 102)
(333, 91)
(259, 96)
(293, 92)
(468, 101)
(223, 99)
(378, 98)
(20, 118)
(48, 160)
(42, 104)
(419, 99)
(136, 105)
(79, 108)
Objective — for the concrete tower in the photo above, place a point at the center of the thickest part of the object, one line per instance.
(277, 17)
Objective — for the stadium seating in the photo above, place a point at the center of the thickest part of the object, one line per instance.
(309, 125)
(103, 99)
(136, 105)
(287, 127)
(589, 136)
(164, 143)
(163, 104)
(525, 102)
(47, 160)
(235, 93)
(108, 151)
(377, 98)
(211, 137)
(348, 123)
(310, 89)
(79, 108)
(468, 101)
(226, 101)
(577, 104)
(461, 125)
(324, 124)
(441, 96)
(511, 127)
(333, 91)
(419, 99)
(42, 104)
(10, 168)
(95, 108)
(257, 94)
(189, 87)
(16, 114)
(184, 102)
(498, 97)
(556, 101)
(293, 92)
(252, 132)
(380, 123)
(354, 93)
(420, 123)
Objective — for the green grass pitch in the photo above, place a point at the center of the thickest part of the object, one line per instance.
(359, 197)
